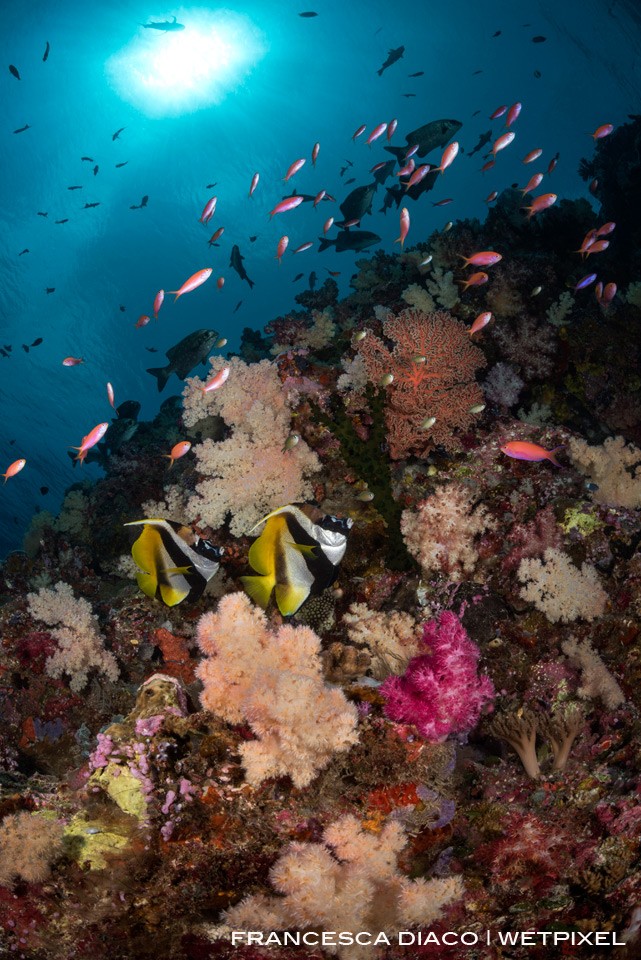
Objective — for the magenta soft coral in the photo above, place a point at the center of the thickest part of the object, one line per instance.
(441, 692)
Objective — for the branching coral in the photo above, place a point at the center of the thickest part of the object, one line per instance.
(392, 638)
(442, 533)
(250, 473)
(441, 692)
(561, 730)
(273, 681)
(597, 679)
(560, 590)
(441, 385)
(349, 883)
(519, 730)
(615, 468)
(80, 645)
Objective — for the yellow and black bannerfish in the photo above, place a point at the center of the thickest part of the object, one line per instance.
(176, 564)
(296, 555)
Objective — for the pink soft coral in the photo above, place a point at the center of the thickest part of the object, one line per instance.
(440, 692)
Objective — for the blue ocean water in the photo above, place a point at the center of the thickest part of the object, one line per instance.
(251, 88)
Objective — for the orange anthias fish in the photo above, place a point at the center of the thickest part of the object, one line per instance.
(217, 380)
(177, 451)
(539, 203)
(280, 250)
(484, 258)
(502, 142)
(512, 114)
(294, 168)
(220, 283)
(532, 183)
(532, 155)
(319, 196)
(327, 225)
(603, 131)
(419, 174)
(13, 468)
(72, 361)
(449, 154)
(377, 132)
(158, 302)
(481, 321)
(142, 321)
(405, 226)
(524, 450)
(196, 280)
(289, 203)
(597, 247)
(92, 438)
(216, 236)
(475, 280)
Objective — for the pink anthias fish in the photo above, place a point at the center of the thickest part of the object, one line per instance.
(377, 132)
(142, 321)
(328, 224)
(359, 131)
(254, 183)
(475, 280)
(418, 175)
(408, 169)
(158, 302)
(177, 451)
(391, 129)
(93, 437)
(319, 196)
(303, 247)
(607, 228)
(484, 258)
(216, 381)
(513, 113)
(525, 450)
(448, 157)
(481, 321)
(603, 131)
(540, 203)
(405, 226)
(487, 165)
(13, 468)
(492, 196)
(220, 283)
(532, 155)
(499, 112)
(192, 283)
(609, 293)
(216, 236)
(289, 203)
(502, 142)
(532, 183)
(72, 361)
(315, 152)
(280, 249)
(294, 168)
(208, 210)
(597, 247)
(111, 395)
(411, 151)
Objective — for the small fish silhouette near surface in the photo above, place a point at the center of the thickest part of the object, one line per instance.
(14, 71)
(167, 26)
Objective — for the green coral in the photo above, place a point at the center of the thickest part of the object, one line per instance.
(584, 522)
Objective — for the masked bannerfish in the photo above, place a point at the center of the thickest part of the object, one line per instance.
(296, 555)
(176, 564)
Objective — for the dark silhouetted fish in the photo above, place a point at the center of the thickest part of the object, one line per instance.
(114, 136)
(14, 71)
(46, 53)
(351, 180)
(143, 203)
(75, 188)
(50, 289)
(438, 133)
(122, 309)
(350, 240)
(392, 57)
(25, 347)
(210, 186)
(4, 353)
(476, 113)
(66, 220)
(42, 214)
(299, 276)
(8, 347)
(27, 126)
(408, 94)
(312, 280)
(26, 250)
(44, 491)
(476, 73)
(123, 164)
(399, 193)
(253, 239)
(88, 206)
(497, 34)
(385, 171)
(37, 342)
(238, 306)
(539, 39)
(167, 26)
(537, 74)
(236, 261)
(483, 139)
(95, 170)
(185, 355)
(88, 159)
(308, 13)
(420, 73)
(151, 349)
(357, 203)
